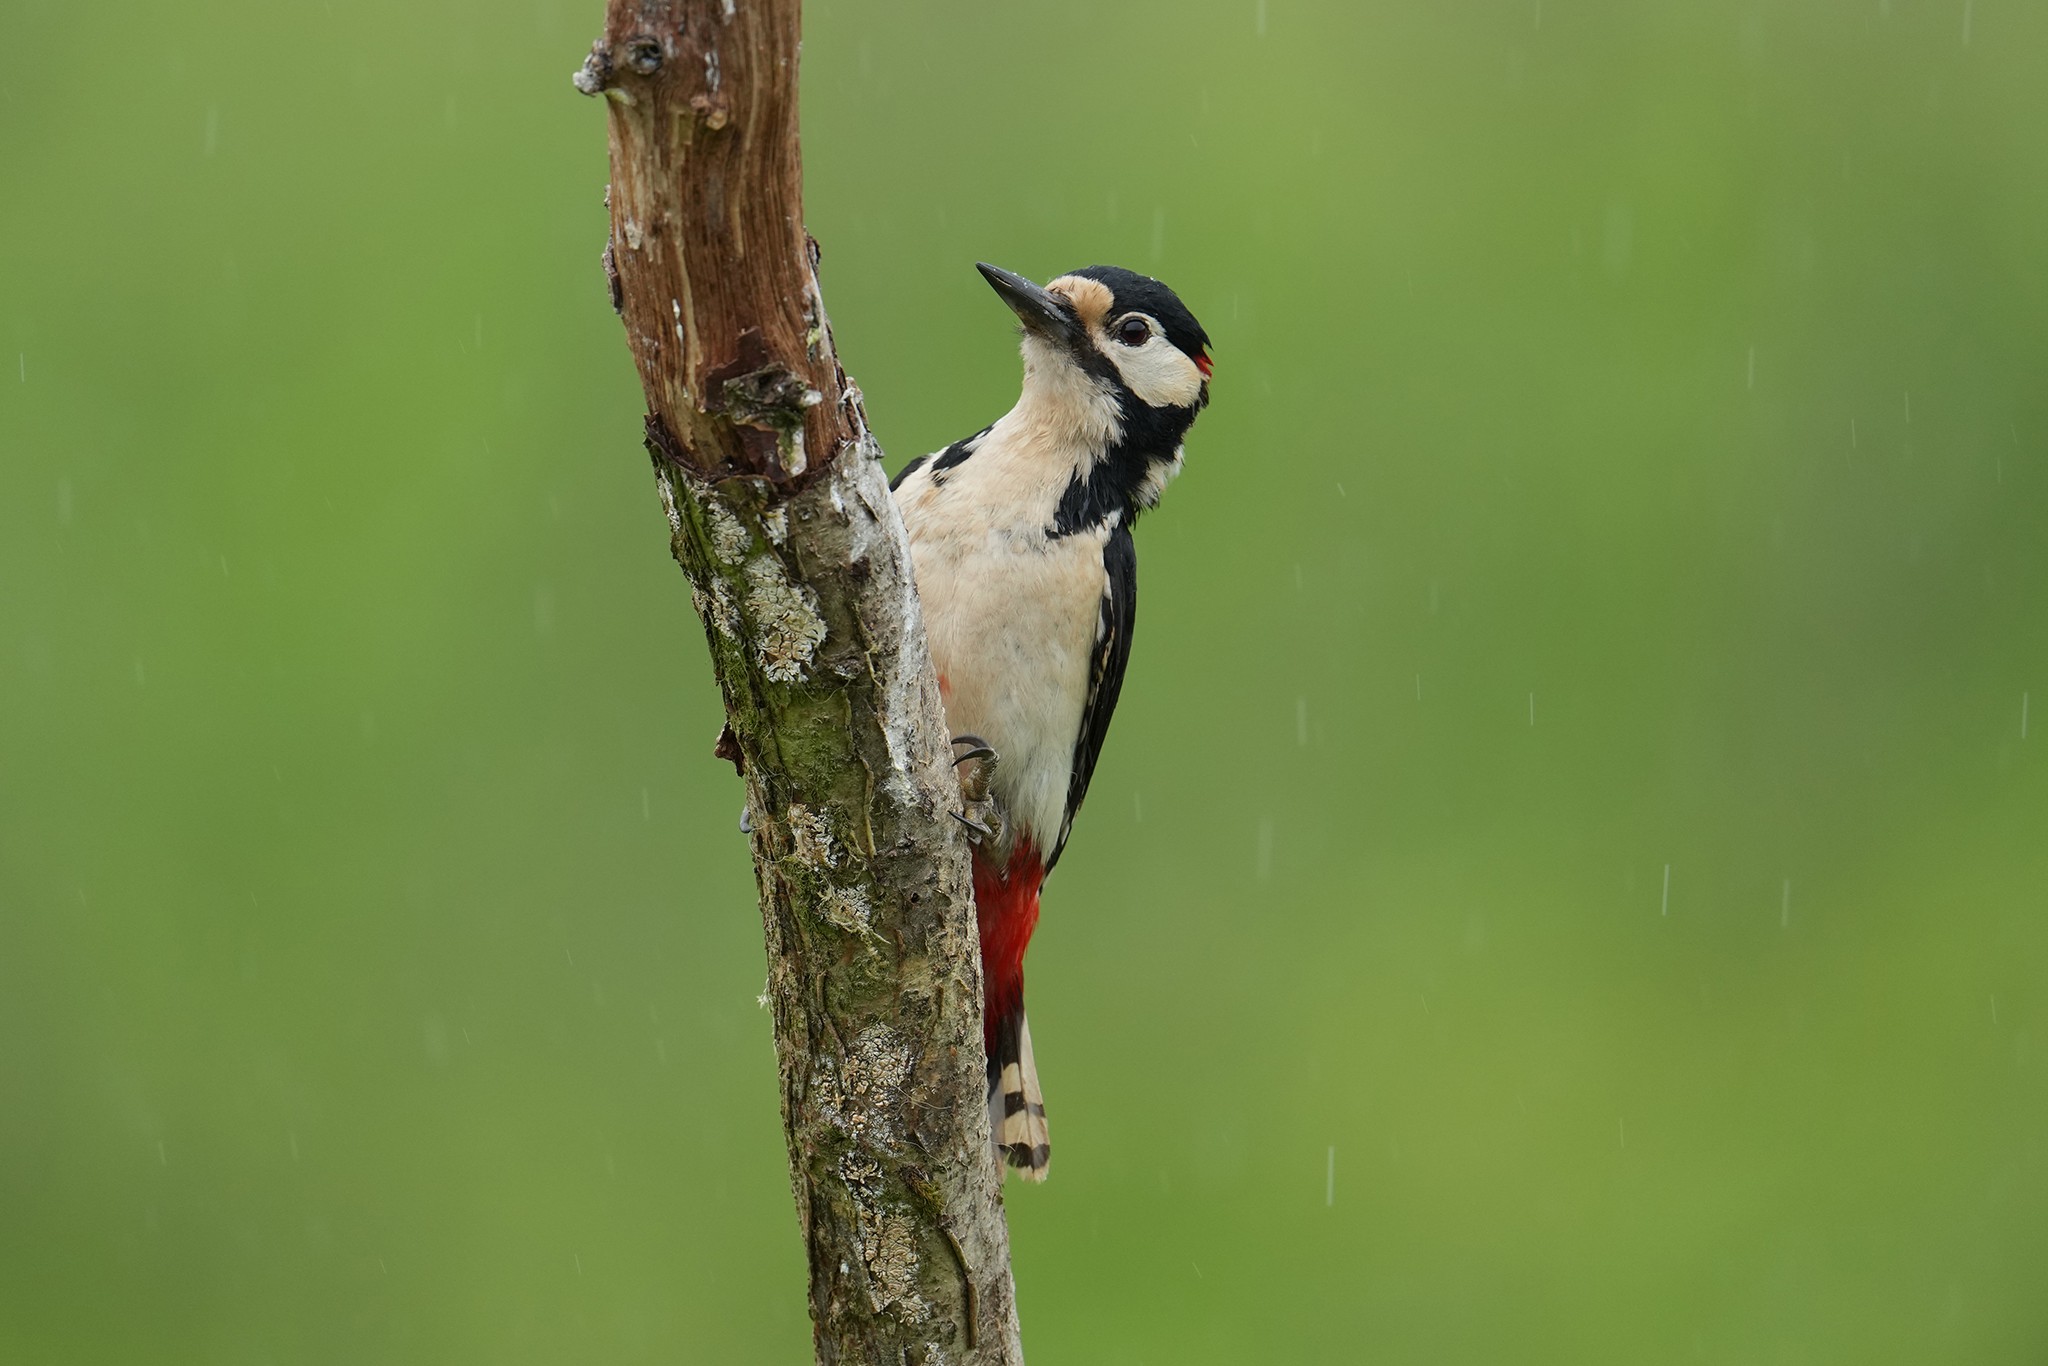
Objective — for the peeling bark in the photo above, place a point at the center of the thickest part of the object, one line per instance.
(781, 517)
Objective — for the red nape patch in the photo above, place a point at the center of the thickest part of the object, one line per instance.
(1006, 908)
(1205, 365)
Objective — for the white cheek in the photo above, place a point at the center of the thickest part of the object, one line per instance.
(1158, 372)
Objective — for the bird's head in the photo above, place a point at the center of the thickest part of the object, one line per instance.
(1115, 370)
(1127, 335)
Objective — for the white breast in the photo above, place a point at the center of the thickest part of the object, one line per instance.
(1011, 613)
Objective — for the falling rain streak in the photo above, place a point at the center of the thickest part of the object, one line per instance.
(1754, 669)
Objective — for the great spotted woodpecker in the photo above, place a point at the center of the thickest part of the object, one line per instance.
(1020, 539)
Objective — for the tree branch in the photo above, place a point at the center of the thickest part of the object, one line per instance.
(782, 519)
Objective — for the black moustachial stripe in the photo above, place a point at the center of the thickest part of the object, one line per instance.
(1150, 436)
(1119, 475)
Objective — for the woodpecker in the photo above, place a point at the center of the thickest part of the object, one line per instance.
(1020, 541)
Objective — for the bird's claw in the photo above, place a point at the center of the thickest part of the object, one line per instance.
(974, 787)
(984, 823)
(977, 833)
(978, 748)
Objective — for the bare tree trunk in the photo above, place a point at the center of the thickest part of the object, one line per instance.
(798, 565)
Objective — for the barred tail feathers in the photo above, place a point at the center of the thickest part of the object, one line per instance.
(1016, 1105)
(1006, 907)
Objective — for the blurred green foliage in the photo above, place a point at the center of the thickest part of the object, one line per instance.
(1568, 880)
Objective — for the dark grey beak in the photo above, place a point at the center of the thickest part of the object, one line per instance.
(1039, 311)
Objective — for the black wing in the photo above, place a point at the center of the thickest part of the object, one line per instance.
(912, 468)
(941, 461)
(1106, 678)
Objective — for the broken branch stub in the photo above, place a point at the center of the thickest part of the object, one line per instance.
(707, 228)
(781, 517)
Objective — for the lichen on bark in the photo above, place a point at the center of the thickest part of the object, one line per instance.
(780, 515)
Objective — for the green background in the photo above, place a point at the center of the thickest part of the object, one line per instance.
(1568, 880)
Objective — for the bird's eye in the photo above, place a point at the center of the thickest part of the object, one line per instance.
(1133, 332)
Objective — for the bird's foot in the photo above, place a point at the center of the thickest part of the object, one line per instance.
(980, 815)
